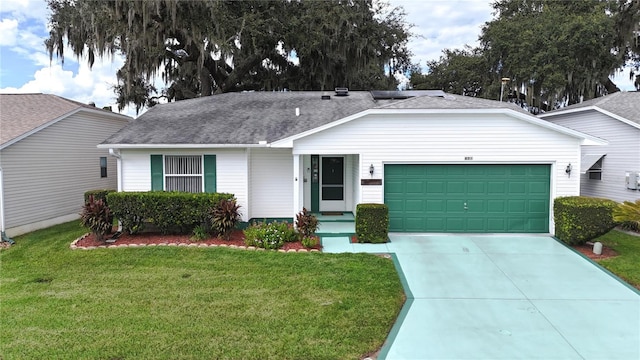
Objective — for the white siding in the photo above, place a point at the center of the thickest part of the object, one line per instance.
(47, 173)
(623, 153)
(231, 170)
(355, 186)
(447, 139)
(272, 182)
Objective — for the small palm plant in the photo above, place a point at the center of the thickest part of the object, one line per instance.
(224, 217)
(97, 216)
(307, 225)
(628, 214)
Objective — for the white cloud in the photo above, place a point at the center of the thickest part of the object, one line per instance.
(440, 25)
(9, 31)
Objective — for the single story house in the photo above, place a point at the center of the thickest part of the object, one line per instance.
(611, 171)
(442, 163)
(48, 159)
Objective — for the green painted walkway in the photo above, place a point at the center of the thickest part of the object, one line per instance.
(504, 297)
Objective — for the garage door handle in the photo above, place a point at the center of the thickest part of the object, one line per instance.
(465, 206)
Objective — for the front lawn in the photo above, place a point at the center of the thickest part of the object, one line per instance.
(190, 303)
(627, 264)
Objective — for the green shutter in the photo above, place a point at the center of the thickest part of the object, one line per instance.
(157, 179)
(210, 173)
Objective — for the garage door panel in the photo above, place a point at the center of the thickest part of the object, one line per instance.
(435, 205)
(454, 206)
(496, 224)
(435, 187)
(496, 187)
(414, 187)
(456, 188)
(517, 188)
(517, 206)
(499, 198)
(496, 206)
(454, 223)
(394, 187)
(538, 206)
(476, 224)
(476, 188)
(414, 205)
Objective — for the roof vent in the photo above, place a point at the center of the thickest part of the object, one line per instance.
(325, 97)
(342, 91)
(91, 103)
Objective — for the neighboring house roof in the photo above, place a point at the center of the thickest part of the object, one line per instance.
(624, 106)
(24, 114)
(260, 118)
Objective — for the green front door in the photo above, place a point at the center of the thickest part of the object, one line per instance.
(468, 198)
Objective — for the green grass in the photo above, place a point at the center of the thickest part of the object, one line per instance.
(189, 303)
(627, 264)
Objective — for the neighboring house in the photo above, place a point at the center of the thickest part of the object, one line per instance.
(442, 163)
(48, 158)
(611, 171)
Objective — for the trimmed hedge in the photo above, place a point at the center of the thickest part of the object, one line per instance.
(170, 212)
(98, 195)
(579, 219)
(372, 223)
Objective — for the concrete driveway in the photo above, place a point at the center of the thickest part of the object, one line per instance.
(505, 297)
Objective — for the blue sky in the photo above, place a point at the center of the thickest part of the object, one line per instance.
(25, 65)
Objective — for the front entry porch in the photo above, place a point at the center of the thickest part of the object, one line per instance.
(336, 225)
(330, 183)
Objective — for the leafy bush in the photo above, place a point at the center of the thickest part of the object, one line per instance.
(170, 212)
(269, 235)
(97, 217)
(224, 217)
(372, 223)
(98, 195)
(200, 232)
(628, 215)
(310, 241)
(579, 219)
(306, 223)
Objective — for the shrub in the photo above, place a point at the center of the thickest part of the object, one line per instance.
(269, 235)
(372, 223)
(579, 219)
(200, 232)
(628, 215)
(98, 195)
(170, 212)
(97, 217)
(224, 217)
(310, 241)
(306, 223)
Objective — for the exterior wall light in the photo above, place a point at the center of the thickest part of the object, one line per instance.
(568, 170)
(371, 169)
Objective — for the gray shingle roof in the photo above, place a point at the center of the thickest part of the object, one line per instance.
(22, 113)
(251, 117)
(450, 101)
(623, 104)
(239, 118)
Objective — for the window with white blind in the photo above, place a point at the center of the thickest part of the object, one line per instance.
(183, 173)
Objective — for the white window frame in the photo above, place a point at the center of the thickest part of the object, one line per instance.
(167, 175)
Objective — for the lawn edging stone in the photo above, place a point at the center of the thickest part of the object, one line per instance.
(74, 246)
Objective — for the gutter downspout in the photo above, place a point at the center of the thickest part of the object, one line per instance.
(116, 153)
(3, 235)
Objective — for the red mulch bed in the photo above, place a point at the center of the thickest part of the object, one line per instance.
(587, 250)
(236, 238)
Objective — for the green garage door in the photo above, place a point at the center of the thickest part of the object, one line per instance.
(468, 198)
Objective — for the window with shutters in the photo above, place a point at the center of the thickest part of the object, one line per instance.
(183, 173)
